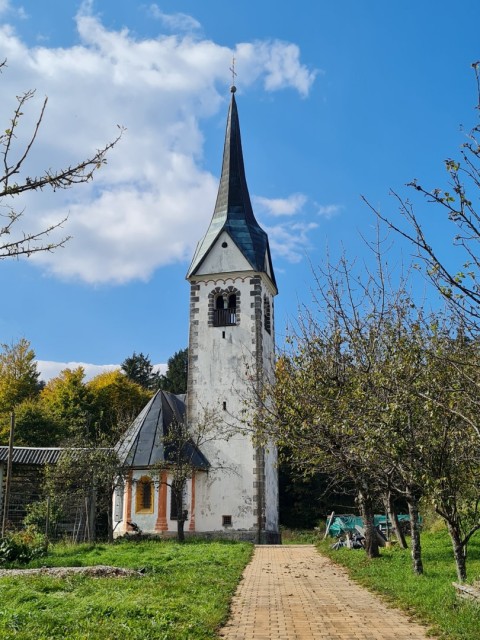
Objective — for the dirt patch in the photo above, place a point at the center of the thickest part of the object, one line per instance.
(99, 571)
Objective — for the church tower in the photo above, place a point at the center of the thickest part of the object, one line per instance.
(231, 351)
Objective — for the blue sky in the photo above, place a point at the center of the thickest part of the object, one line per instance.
(336, 99)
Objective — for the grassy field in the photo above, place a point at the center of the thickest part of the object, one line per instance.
(184, 593)
(430, 597)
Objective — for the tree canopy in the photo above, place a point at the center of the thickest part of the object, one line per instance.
(139, 369)
(175, 379)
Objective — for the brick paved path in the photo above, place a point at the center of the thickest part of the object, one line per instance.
(291, 592)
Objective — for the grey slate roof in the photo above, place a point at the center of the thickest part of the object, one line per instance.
(32, 455)
(233, 209)
(143, 443)
(39, 455)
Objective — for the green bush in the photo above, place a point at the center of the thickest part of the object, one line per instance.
(21, 547)
(37, 515)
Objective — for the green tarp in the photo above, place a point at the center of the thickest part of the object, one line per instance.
(347, 523)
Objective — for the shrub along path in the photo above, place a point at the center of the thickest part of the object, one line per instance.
(293, 593)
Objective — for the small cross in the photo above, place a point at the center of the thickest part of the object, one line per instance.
(232, 69)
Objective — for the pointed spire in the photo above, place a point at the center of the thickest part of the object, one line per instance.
(233, 199)
(233, 211)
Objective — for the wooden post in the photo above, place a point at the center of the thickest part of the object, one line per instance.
(47, 518)
(329, 524)
(9, 474)
(47, 523)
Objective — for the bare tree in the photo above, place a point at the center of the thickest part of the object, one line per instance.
(460, 286)
(14, 182)
(184, 447)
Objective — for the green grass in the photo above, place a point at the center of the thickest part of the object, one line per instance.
(184, 593)
(300, 536)
(431, 597)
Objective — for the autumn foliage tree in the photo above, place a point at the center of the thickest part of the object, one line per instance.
(117, 401)
(18, 379)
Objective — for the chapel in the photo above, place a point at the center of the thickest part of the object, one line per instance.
(232, 490)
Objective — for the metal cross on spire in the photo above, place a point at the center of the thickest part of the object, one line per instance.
(234, 73)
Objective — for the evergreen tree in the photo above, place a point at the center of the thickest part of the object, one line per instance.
(175, 380)
(138, 368)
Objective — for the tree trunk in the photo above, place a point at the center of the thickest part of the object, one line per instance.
(458, 552)
(177, 494)
(392, 516)
(110, 515)
(417, 563)
(366, 508)
(180, 529)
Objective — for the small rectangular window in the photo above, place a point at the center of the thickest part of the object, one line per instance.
(226, 521)
(224, 406)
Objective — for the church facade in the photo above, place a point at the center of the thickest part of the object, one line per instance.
(232, 490)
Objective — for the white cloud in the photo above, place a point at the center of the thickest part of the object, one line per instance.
(282, 206)
(329, 210)
(290, 241)
(6, 7)
(49, 369)
(175, 21)
(146, 207)
(278, 62)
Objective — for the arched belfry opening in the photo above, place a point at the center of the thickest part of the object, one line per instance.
(224, 307)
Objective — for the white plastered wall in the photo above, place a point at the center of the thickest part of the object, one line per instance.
(223, 361)
(220, 376)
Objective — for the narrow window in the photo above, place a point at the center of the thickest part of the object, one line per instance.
(223, 334)
(144, 495)
(226, 521)
(232, 308)
(267, 312)
(224, 406)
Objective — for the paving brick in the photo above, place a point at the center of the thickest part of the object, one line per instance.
(291, 592)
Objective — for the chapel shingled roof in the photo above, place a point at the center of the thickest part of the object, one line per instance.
(233, 209)
(143, 444)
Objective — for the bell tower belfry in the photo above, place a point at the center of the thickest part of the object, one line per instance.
(231, 351)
